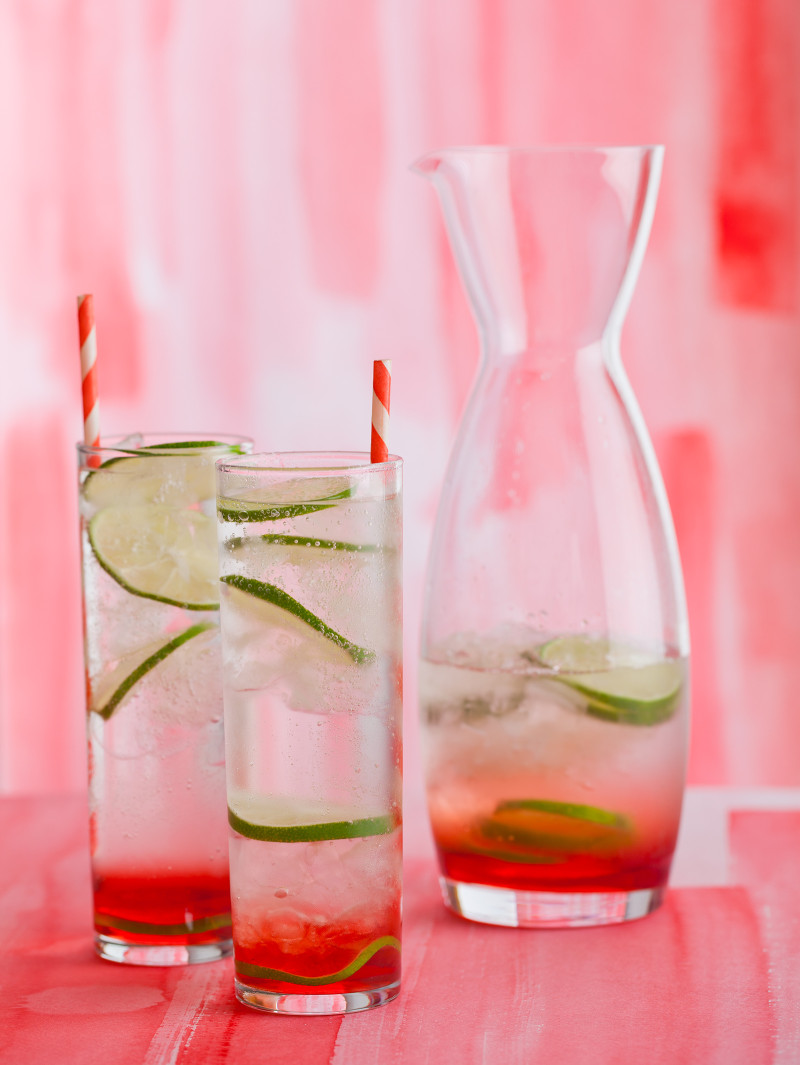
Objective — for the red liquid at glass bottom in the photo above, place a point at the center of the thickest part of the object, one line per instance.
(569, 872)
(530, 888)
(380, 970)
(186, 912)
(339, 969)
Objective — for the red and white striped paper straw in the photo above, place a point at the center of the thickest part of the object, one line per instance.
(381, 389)
(88, 342)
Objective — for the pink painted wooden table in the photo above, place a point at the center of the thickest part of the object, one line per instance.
(713, 977)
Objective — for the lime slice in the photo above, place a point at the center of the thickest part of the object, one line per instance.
(262, 972)
(144, 928)
(573, 810)
(286, 821)
(239, 544)
(517, 857)
(288, 500)
(232, 449)
(551, 826)
(174, 474)
(620, 683)
(105, 706)
(277, 607)
(315, 542)
(159, 553)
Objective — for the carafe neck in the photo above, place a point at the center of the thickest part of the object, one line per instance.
(548, 242)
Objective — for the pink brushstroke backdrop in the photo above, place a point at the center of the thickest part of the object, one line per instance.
(231, 181)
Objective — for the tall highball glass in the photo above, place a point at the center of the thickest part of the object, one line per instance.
(154, 697)
(310, 564)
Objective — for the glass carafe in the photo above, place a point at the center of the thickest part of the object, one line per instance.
(553, 674)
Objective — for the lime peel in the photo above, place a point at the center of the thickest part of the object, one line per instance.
(518, 859)
(291, 499)
(530, 823)
(619, 684)
(361, 959)
(353, 829)
(140, 473)
(573, 810)
(229, 510)
(234, 449)
(270, 593)
(548, 842)
(236, 543)
(202, 924)
(149, 663)
(286, 540)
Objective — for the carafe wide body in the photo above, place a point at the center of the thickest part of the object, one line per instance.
(555, 639)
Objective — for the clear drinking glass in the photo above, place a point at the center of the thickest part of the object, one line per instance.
(154, 696)
(310, 565)
(553, 683)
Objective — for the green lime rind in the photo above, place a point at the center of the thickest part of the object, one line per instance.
(110, 462)
(157, 451)
(125, 453)
(519, 836)
(285, 540)
(618, 683)
(292, 498)
(229, 511)
(203, 924)
(633, 714)
(270, 593)
(94, 475)
(149, 663)
(178, 445)
(573, 810)
(234, 449)
(355, 829)
(518, 859)
(360, 960)
(240, 515)
(310, 542)
(534, 824)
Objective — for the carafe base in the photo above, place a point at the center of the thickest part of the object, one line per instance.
(547, 909)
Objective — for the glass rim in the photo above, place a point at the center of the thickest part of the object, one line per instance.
(145, 441)
(324, 462)
(423, 164)
(544, 148)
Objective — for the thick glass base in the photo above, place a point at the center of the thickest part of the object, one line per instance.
(547, 909)
(113, 949)
(324, 1005)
